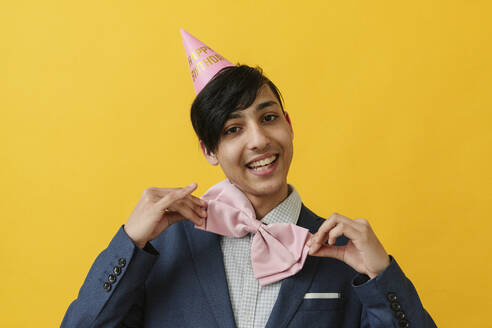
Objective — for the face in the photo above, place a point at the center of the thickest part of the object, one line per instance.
(255, 149)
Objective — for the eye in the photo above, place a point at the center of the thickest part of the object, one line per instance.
(231, 130)
(270, 117)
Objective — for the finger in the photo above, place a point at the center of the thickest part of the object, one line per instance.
(323, 230)
(183, 212)
(158, 193)
(336, 252)
(320, 236)
(188, 213)
(174, 195)
(197, 201)
(332, 221)
(362, 225)
(179, 202)
(199, 210)
(342, 228)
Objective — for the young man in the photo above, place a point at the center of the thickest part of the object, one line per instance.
(160, 271)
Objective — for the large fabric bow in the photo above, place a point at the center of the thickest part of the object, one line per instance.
(278, 250)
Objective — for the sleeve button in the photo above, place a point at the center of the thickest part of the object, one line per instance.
(121, 262)
(404, 324)
(392, 297)
(111, 278)
(400, 315)
(117, 270)
(107, 286)
(395, 306)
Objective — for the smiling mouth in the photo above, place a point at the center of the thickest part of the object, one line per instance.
(264, 164)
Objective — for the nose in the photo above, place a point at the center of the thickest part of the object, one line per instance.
(257, 138)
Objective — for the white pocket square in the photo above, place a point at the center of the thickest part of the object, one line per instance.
(322, 295)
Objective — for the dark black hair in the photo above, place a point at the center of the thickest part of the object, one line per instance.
(232, 88)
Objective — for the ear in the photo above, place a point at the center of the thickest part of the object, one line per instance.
(211, 158)
(287, 117)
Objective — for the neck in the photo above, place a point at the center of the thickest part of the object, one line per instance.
(264, 204)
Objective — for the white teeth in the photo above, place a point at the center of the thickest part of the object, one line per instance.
(263, 162)
(261, 168)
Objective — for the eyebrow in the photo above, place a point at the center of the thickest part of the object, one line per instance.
(259, 107)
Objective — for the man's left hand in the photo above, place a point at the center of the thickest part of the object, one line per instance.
(364, 252)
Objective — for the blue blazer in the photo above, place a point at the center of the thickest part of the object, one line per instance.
(178, 280)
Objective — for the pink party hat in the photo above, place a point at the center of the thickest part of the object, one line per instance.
(204, 62)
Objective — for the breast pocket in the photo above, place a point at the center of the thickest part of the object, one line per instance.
(321, 301)
(319, 310)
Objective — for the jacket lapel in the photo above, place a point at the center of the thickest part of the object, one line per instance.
(294, 288)
(209, 265)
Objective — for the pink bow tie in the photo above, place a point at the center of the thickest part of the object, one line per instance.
(278, 250)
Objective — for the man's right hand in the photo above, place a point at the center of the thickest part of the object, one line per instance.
(158, 208)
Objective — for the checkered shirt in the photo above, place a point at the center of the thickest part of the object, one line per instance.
(252, 303)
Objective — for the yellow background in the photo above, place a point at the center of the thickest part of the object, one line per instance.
(390, 102)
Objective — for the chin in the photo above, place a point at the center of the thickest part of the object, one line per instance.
(264, 188)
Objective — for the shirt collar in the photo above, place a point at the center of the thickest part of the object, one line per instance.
(287, 211)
